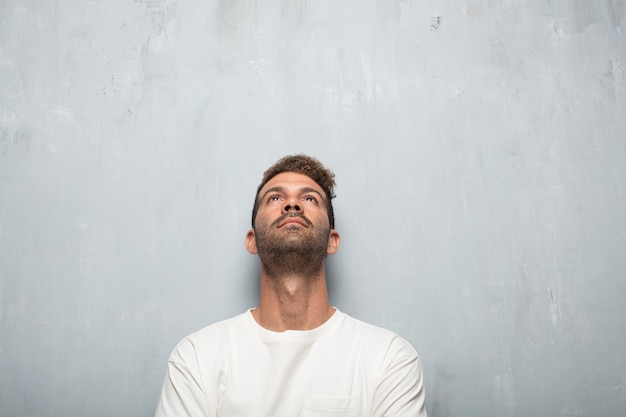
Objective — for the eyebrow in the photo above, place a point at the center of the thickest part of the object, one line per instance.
(303, 190)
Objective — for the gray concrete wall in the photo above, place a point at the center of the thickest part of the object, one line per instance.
(480, 152)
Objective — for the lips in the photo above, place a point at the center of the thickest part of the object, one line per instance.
(288, 218)
(293, 221)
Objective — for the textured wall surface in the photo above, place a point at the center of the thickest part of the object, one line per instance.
(480, 153)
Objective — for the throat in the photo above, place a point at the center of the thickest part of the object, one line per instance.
(293, 303)
(291, 289)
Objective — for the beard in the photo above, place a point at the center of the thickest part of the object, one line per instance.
(292, 249)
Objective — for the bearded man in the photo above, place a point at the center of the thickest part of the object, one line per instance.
(294, 354)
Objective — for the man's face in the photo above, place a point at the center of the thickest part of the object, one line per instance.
(292, 222)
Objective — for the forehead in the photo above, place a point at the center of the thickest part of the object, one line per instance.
(291, 181)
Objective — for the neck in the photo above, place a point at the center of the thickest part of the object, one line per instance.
(293, 302)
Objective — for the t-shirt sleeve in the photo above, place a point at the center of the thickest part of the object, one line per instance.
(183, 394)
(400, 392)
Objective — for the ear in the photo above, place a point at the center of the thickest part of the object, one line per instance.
(251, 242)
(333, 242)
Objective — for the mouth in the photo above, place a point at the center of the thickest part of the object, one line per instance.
(291, 222)
(286, 220)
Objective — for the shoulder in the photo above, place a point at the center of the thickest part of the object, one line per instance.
(376, 337)
(212, 338)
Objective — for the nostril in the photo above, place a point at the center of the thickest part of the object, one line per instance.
(289, 207)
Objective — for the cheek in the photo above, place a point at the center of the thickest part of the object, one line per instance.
(263, 218)
(321, 220)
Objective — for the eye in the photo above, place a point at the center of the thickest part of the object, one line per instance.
(310, 199)
(272, 198)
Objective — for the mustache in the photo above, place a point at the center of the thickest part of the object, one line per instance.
(282, 218)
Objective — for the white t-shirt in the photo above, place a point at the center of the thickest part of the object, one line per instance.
(345, 367)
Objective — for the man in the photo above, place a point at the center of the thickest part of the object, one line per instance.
(294, 354)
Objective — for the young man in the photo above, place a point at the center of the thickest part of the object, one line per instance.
(294, 354)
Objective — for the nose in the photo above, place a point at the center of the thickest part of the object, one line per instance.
(291, 207)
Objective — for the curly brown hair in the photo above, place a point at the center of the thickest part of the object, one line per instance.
(302, 164)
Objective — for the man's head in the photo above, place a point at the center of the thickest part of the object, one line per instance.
(292, 220)
(305, 165)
